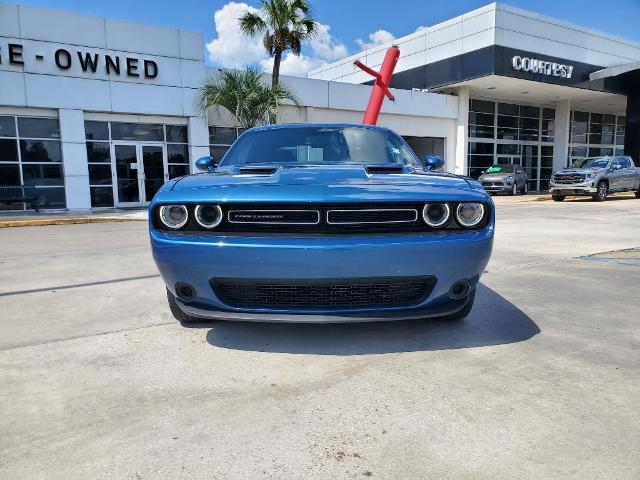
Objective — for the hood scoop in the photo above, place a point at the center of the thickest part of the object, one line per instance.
(383, 169)
(257, 170)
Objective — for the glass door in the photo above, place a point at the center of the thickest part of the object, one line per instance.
(154, 171)
(127, 185)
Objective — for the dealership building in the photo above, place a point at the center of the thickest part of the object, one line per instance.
(98, 112)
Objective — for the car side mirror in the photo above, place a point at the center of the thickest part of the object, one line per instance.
(433, 162)
(206, 163)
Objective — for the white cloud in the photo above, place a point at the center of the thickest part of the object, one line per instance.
(296, 65)
(232, 48)
(377, 38)
(325, 46)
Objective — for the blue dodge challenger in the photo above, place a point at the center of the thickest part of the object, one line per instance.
(321, 223)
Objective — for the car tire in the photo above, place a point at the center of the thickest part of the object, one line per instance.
(525, 188)
(602, 190)
(465, 310)
(558, 198)
(514, 190)
(177, 312)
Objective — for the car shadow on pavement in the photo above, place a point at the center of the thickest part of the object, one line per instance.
(493, 321)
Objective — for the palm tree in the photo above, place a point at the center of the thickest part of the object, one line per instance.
(286, 25)
(244, 93)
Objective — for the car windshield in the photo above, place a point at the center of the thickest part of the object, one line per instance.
(500, 169)
(320, 145)
(595, 163)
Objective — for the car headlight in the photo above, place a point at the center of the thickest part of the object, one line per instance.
(590, 176)
(509, 179)
(436, 214)
(470, 215)
(208, 216)
(174, 216)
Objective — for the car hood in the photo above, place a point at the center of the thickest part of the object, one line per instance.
(495, 176)
(320, 183)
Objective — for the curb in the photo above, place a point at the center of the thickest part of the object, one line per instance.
(41, 222)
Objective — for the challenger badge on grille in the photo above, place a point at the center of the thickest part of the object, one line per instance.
(278, 217)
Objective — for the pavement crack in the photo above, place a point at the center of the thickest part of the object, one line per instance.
(78, 285)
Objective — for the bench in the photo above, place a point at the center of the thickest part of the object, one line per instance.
(20, 193)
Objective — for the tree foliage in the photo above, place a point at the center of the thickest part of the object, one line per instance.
(245, 94)
(285, 24)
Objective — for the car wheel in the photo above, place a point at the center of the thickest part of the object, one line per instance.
(465, 311)
(514, 190)
(177, 313)
(558, 198)
(525, 188)
(601, 192)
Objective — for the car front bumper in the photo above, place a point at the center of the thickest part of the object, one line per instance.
(586, 188)
(199, 259)
(507, 188)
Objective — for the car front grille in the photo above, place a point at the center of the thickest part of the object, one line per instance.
(569, 179)
(341, 293)
(372, 215)
(318, 219)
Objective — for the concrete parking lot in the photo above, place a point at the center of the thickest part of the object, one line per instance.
(542, 380)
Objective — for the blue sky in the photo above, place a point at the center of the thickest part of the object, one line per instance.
(347, 24)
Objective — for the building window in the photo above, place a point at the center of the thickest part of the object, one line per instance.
(99, 160)
(220, 139)
(511, 133)
(546, 166)
(100, 137)
(30, 154)
(547, 131)
(481, 119)
(177, 150)
(620, 126)
(137, 132)
(595, 134)
(480, 158)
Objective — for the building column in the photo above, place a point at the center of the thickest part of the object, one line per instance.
(74, 159)
(198, 132)
(561, 134)
(459, 163)
(632, 128)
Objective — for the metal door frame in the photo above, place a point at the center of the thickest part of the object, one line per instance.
(140, 169)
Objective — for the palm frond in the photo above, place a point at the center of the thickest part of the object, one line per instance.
(286, 25)
(252, 24)
(246, 95)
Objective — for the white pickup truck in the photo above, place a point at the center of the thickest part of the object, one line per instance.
(596, 177)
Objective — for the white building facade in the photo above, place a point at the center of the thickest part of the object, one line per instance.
(532, 90)
(99, 113)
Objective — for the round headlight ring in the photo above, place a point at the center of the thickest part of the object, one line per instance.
(473, 220)
(202, 211)
(442, 219)
(174, 216)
